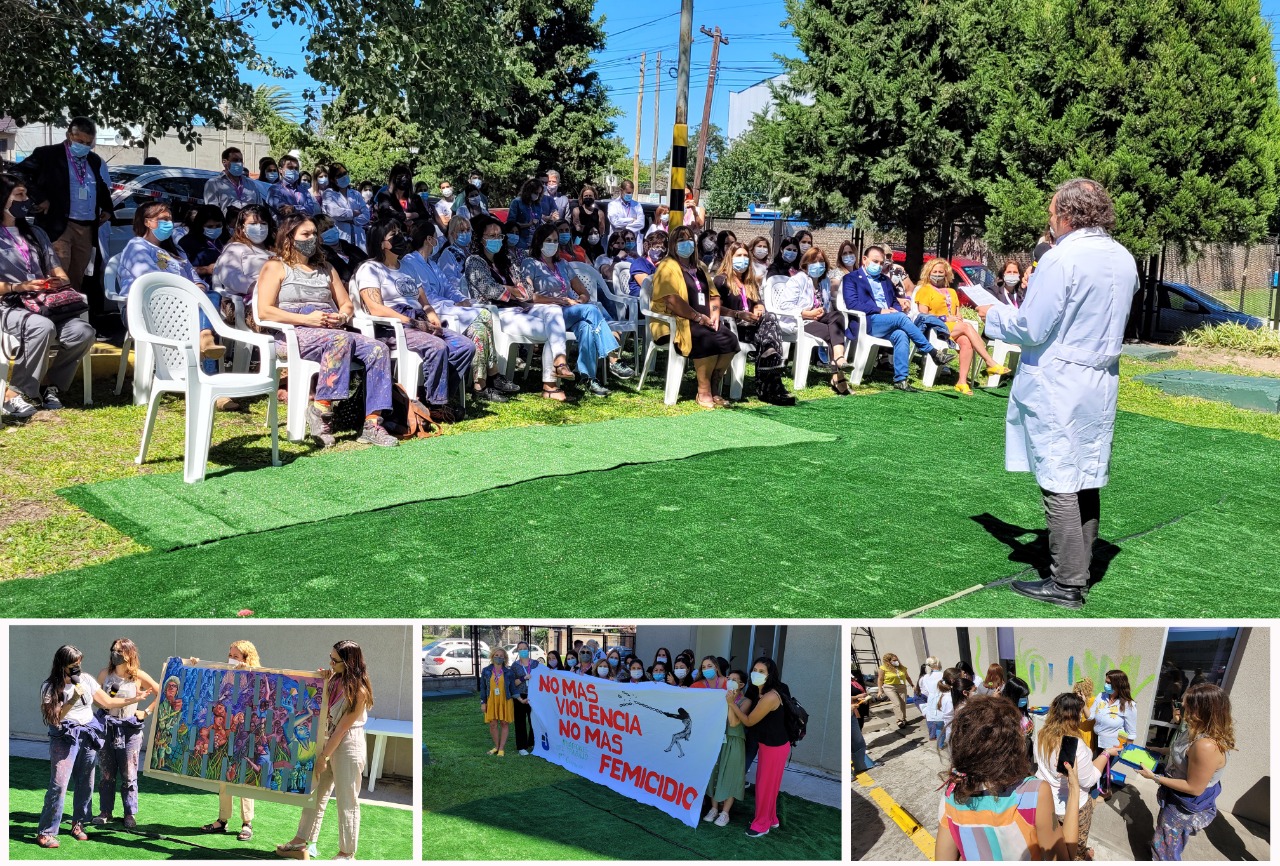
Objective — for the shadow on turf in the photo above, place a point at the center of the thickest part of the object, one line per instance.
(23, 827)
(1035, 553)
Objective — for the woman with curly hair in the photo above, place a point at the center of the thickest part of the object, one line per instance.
(1189, 789)
(992, 808)
(940, 308)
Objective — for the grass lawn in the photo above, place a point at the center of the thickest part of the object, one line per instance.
(477, 807)
(880, 504)
(169, 820)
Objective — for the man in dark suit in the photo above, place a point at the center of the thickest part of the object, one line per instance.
(871, 291)
(70, 183)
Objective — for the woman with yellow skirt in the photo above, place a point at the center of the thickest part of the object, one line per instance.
(497, 688)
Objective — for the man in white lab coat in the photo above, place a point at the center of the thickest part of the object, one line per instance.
(1062, 408)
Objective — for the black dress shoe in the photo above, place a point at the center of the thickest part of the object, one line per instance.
(904, 385)
(1047, 590)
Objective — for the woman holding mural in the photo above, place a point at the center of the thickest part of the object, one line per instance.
(122, 678)
(342, 761)
(497, 687)
(75, 736)
(730, 772)
(243, 655)
(767, 718)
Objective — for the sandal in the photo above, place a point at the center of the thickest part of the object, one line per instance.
(550, 394)
(710, 404)
(840, 384)
(719, 401)
(292, 849)
(246, 833)
(563, 371)
(492, 752)
(218, 826)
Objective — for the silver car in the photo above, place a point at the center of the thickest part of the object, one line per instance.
(453, 661)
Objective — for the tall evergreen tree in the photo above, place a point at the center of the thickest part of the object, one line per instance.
(889, 132)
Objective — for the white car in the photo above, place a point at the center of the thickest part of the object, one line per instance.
(455, 661)
(451, 642)
(535, 653)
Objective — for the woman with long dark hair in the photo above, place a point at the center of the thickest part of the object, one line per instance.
(67, 698)
(240, 262)
(341, 763)
(398, 201)
(992, 807)
(1189, 788)
(29, 264)
(767, 694)
(1115, 717)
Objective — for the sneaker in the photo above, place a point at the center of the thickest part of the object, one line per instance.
(752, 834)
(78, 833)
(711, 815)
(503, 384)
(18, 407)
(47, 842)
(523, 752)
(130, 822)
(318, 427)
(374, 434)
(492, 395)
(904, 385)
(619, 370)
(50, 397)
(597, 389)
(941, 357)
(101, 820)
(722, 820)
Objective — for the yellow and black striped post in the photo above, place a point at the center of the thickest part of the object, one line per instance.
(679, 161)
(680, 132)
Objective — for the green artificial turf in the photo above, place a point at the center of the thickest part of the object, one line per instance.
(165, 513)
(169, 820)
(478, 807)
(909, 505)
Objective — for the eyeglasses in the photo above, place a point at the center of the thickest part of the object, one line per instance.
(334, 660)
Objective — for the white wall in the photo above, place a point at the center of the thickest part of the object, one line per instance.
(394, 666)
(169, 150)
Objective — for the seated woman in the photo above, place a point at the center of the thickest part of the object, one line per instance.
(343, 256)
(237, 268)
(387, 289)
(724, 240)
(451, 255)
(786, 262)
(661, 221)
(939, 307)
(655, 247)
(298, 287)
(808, 295)
(397, 200)
(203, 244)
(29, 264)
(707, 247)
(740, 292)
(622, 248)
(567, 250)
(152, 249)
(459, 312)
(683, 288)
(554, 282)
(761, 250)
(493, 278)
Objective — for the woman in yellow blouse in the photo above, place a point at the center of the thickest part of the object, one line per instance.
(936, 298)
(892, 679)
(498, 684)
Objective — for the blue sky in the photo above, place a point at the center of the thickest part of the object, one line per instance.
(754, 29)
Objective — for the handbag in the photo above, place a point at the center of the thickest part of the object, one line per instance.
(56, 306)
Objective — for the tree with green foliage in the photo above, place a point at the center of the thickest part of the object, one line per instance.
(369, 144)
(745, 173)
(890, 130)
(156, 65)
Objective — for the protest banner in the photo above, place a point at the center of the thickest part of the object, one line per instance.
(651, 742)
(253, 731)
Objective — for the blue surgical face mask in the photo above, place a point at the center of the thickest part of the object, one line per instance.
(564, 238)
(553, 664)
(1107, 689)
(524, 654)
(684, 249)
(257, 232)
(322, 181)
(464, 239)
(213, 234)
(291, 175)
(637, 674)
(848, 260)
(708, 673)
(626, 196)
(570, 662)
(613, 663)
(817, 269)
(513, 239)
(629, 246)
(273, 176)
(331, 235)
(741, 263)
(662, 659)
(873, 269)
(343, 182)
(80, 151)
(163, 229)
(235, 168)
(789, 255)
(493, 245)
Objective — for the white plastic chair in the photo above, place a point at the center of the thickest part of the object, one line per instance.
(1005, 355)
(408, 362)
(675, 361)
(142, 363)
(301, 372)
(622, 280)
(240, 360)
(866, 346)
(738, 366)
(629, 323)
(164, 312)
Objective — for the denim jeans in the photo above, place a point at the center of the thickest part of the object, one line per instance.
(861, 763)
(71, 765)
(595, 340)
(938, 731)
(898, 329)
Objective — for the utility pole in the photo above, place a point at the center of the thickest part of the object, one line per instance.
(657, 121)
(717, 38)
(680, 132)
(635, 158)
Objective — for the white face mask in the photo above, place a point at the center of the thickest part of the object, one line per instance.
(232, 661)
(680, 672)
(762, 253)
(256, 232)
(367, 195)
(549, 249)
(602, 670)
(732, 685)
(1012, 280)
(758, 679)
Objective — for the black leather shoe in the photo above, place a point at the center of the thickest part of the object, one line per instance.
(1047, 590)
(904, 385)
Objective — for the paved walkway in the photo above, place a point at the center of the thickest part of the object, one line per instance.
(894, 807)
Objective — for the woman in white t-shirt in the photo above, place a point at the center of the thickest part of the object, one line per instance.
(67, 698)
(1115, 717)
(388, 290)
(342, 761)
(1066, 714)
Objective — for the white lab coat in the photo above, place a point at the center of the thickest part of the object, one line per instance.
(930, 684)
(1062, 409)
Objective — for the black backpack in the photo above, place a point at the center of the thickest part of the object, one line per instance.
(794, 717)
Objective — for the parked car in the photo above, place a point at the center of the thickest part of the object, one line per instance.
(535, 652)
(451, 642)
(454, 661)
(623, 651)
(1181, 308)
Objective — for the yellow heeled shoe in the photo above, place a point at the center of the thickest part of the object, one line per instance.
(501, 753)
(964, 389)
(998, 370)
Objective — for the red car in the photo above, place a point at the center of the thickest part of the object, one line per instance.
(968, 272)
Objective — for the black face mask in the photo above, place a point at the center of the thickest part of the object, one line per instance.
(117, 659)
(402, 182)
(73, 673)
(588, 201)
(401, 245)
(19, 209)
